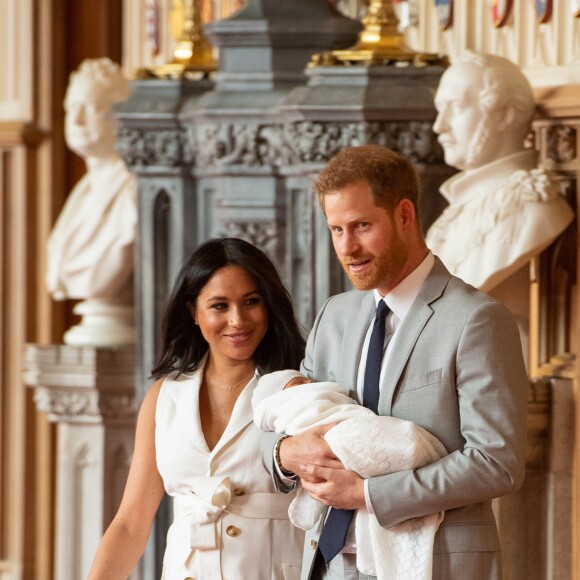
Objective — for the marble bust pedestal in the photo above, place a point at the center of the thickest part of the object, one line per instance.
(89, 393)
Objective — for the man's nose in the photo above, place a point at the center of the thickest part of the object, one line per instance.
(348, 244)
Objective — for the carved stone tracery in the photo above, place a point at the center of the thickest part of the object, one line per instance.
(76, 405)
(143, 148)
(214, 145)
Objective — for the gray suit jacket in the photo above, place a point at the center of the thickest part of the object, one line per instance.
(456, 369)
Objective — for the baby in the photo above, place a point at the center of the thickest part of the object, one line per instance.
(288, 402)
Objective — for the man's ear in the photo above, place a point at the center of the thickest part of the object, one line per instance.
(407, 212)
(505, 117)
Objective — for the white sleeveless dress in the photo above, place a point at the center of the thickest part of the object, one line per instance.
(229, 524)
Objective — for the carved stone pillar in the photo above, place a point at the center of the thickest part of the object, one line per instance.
(89, 392)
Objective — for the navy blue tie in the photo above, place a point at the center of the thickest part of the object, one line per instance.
(375, 358)
(333, 534)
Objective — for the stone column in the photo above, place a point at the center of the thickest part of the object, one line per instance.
(89, 392)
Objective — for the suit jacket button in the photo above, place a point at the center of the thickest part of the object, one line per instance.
(239, 491)
(313, 544)
(233, 531)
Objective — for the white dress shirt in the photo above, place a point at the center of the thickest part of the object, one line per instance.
(399, 300)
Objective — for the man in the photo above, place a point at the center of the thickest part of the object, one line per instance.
(452, 365)
(503, 210)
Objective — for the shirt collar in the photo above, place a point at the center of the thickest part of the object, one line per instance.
(402, 296)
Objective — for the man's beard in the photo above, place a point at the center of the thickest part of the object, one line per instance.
(383, 267)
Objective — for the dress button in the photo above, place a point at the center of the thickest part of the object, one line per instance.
(189, 578)
(233, 531)
(313, 544)
(239, 491)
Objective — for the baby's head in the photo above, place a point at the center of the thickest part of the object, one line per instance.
(297, 380)
(284, 379)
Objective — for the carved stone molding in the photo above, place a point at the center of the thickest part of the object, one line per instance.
(264, 235)
(219, 145)
(80, 405)
(82, 384)
(227, 144)
(141, 148)
(304, 142)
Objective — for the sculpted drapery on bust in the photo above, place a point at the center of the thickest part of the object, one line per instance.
(503, 209)
(90, 250)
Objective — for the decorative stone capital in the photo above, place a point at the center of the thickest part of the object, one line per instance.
(78, 384)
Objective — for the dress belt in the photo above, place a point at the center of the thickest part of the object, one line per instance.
(211, 497)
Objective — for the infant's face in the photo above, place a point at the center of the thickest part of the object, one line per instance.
(297, 381)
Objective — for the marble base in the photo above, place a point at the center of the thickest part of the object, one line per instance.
(103, 324)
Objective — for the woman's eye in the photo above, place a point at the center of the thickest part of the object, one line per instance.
(219, 306)
(254, 300)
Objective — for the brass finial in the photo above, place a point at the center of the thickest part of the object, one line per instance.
(381, 30)
(193, 52)
(379, 42)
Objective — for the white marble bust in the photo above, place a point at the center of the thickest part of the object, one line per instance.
(503, 210)
(90, 250)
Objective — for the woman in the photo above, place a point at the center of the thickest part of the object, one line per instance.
(228, 321)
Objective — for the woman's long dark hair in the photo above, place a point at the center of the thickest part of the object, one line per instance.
(183, 344)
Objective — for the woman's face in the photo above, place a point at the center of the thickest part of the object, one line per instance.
(231, 314)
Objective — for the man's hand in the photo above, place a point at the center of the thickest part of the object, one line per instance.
(322, 475)
(338, 488)
(310, 449)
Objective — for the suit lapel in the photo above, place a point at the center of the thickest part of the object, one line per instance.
(409, 332)
(352, 343)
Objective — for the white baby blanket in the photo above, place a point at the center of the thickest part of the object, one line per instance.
(370, 445)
